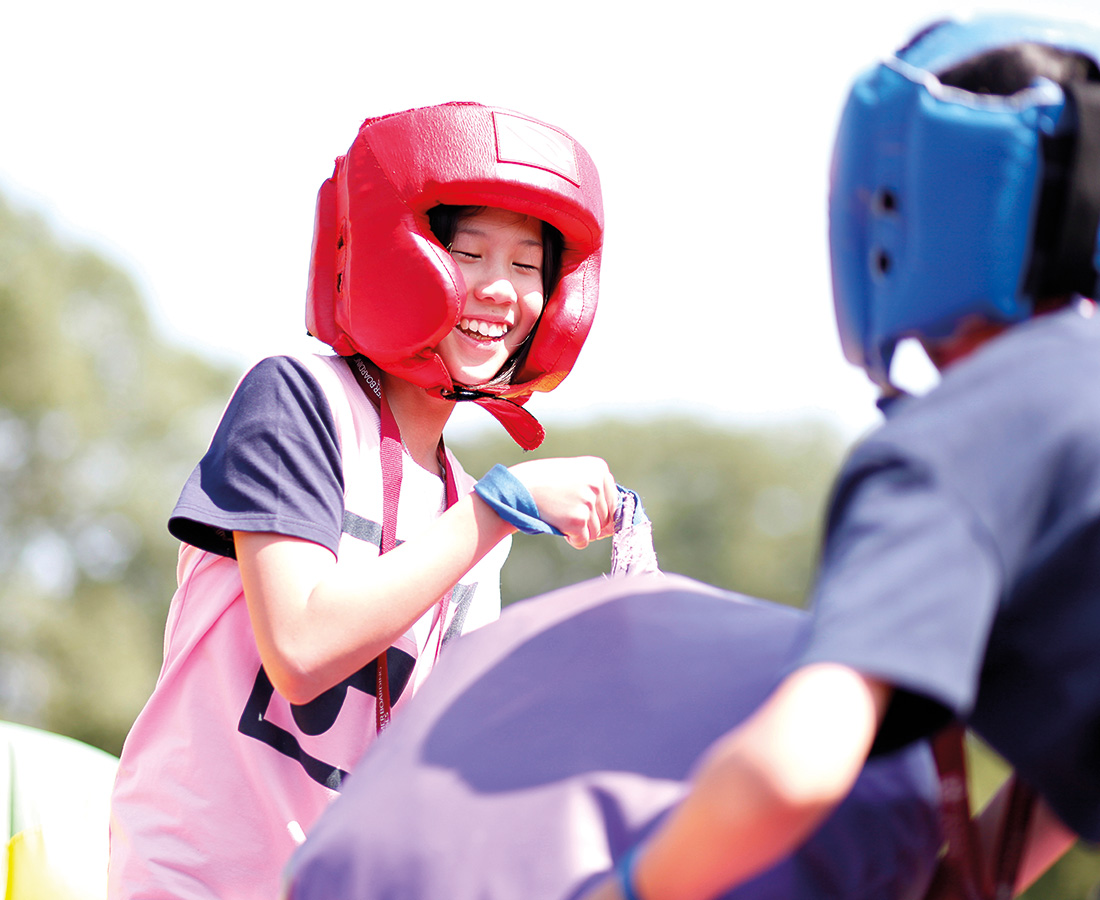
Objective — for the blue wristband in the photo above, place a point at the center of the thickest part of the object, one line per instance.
(624, 869)
(507, 496)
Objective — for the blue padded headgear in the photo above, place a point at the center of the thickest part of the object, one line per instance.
(935, 191)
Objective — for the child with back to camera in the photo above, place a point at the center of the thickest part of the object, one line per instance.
(331, 543)
(961, 566)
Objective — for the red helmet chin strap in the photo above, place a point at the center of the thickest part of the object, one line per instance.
(521, 426)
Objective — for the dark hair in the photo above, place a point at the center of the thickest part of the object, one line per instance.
(1005, 71)
(444, 220)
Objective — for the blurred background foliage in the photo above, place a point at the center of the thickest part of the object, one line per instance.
(731, 507)
(101, 420)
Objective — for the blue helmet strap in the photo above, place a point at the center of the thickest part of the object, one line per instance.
(1071, 210)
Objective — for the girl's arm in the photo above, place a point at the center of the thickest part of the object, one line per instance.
(760, 790)
(318, 619)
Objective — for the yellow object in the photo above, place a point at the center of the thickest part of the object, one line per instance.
(29, 871)
(57, 794)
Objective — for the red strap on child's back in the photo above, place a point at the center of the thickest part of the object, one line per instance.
(1012, 838)
(962, 866)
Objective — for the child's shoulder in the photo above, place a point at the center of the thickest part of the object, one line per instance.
(311, 392)
(1041, 377)
(295, 365)
(1044, 366)
(308, 376)
(282, 369)
(1067, 340)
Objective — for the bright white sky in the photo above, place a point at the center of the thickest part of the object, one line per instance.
(187, 142)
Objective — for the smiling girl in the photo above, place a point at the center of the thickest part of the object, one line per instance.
(502, 254)
(331, 544)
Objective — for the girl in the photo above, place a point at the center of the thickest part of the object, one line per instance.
(331, 544)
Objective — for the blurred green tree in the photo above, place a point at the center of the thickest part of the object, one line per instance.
(100, 421)
(735, 507)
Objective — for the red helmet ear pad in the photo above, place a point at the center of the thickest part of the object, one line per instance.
(380, 283)
(566, 321)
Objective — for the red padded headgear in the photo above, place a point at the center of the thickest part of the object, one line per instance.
(381, 284)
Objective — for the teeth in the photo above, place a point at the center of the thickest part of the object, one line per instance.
(487, 330)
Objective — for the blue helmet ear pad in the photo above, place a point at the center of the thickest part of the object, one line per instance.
(969, 53)
(946, 203)
(931, 204)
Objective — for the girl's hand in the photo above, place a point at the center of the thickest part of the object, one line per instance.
(577, 495)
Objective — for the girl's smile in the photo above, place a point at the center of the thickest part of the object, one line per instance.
(499, 254)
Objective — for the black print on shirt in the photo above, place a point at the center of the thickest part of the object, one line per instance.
(319, 715)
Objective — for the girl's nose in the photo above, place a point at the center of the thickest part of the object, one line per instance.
(496, 289)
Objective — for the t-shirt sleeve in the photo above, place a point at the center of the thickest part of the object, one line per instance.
(907, 591)
(274, 465)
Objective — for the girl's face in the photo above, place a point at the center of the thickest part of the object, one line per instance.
(499, 254)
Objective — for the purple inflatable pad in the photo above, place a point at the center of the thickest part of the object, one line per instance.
(548, 743)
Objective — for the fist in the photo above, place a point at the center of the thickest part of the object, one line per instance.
(577, 495)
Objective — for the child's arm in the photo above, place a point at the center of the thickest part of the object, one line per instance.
(760, 790)
(318, 620)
